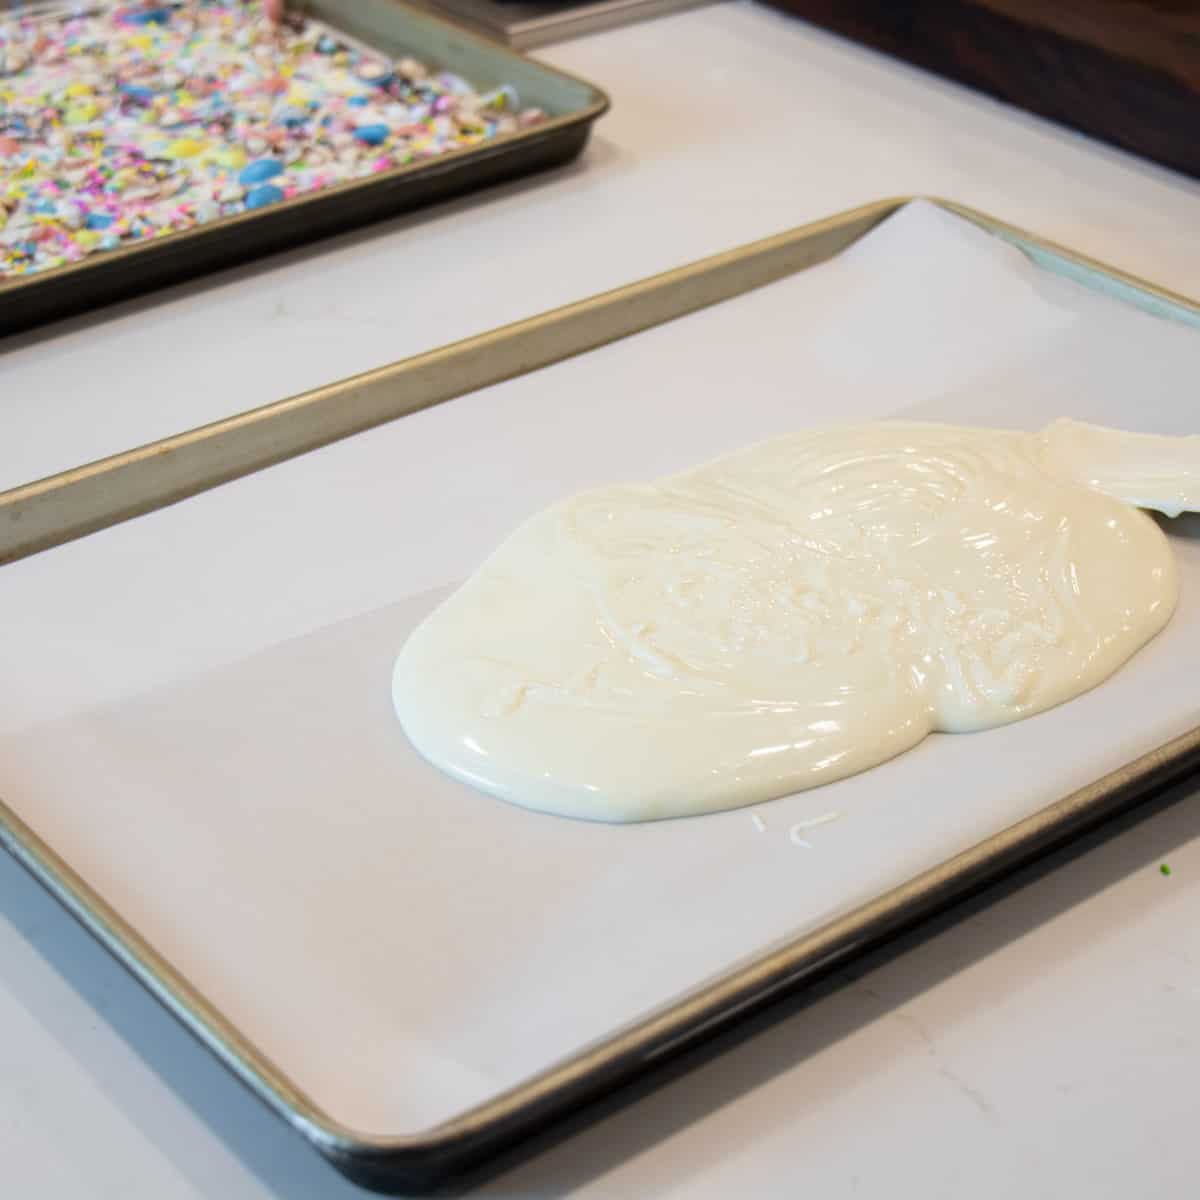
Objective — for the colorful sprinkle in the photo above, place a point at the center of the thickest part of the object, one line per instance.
(123, 124)
(1166, 870)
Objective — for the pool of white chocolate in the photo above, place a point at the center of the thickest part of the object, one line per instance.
(785, 616)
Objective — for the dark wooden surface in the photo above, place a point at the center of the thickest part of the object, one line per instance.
(1126, 71)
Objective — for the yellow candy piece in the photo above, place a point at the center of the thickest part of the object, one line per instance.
(78, 89)
(87, 238)
(81, 114)
(233, 158)
(141, 41)
(185, 148)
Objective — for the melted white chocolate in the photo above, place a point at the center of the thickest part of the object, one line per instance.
(783, 617)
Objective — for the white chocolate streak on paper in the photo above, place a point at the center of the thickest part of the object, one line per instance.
(786, 616)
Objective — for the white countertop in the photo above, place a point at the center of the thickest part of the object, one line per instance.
(1043, 1047)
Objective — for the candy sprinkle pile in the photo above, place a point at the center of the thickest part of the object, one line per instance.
(127, 123)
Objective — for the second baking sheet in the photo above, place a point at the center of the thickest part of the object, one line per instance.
(416, 158)
(198, 718)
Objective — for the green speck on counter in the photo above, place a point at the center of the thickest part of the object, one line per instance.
(1166, 870)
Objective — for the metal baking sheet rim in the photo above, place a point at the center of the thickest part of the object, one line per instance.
(32, 300)
(532, 23)
(427, 1159)
(46, 512)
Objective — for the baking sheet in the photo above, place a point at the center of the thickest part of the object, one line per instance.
(529, 23)
(196, 711)
(393, 29)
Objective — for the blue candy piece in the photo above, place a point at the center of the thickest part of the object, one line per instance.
(147, 16)
(358, 101)
(98, 220)
(264, 194)
(373, 135)
(260, 171)
(291, 117)
(143, 95)
(326, 45)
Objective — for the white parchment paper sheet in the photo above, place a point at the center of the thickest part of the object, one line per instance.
(195, 709)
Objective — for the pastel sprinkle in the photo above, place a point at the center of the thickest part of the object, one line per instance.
(122, 124)
(1166, 870)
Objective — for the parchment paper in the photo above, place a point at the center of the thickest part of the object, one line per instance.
(195, 708)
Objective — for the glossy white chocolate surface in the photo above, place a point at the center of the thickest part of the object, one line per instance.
(786, 616)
